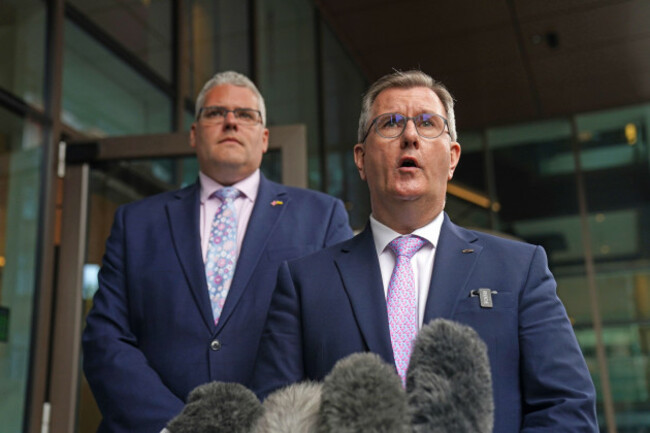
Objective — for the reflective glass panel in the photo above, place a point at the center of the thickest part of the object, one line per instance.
(287, 70)
(217, 39)
(20, 178)
(22, 49)
(142, 27)
(468, 197)
(103, 96)
(343, 84)
(615, 162)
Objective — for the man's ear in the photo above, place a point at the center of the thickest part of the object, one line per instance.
(359, 154)
(265, 140)
(193, 135)
(454, 157)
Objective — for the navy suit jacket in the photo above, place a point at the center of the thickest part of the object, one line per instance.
(150, 337)
(332, 303)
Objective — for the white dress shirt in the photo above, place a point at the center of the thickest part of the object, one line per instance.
(421, 262)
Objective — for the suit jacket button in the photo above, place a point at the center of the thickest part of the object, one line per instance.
(215, 345)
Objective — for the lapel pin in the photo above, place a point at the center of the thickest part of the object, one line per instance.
(467, 251)
(277, 203)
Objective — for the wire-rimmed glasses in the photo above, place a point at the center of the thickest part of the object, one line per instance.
(392, 125)
(213, 115)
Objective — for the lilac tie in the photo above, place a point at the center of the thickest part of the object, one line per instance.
(402, 308)
(222, 249)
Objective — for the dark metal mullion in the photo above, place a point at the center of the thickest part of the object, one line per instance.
(252, 42)
(97, 33)
(490, 181)
(320, 101)
(38, 392)
(179, 77)
(65, 367)
(21, 108)
(179, 71)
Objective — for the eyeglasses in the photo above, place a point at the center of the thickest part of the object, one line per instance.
(216, 115)
(392, 125)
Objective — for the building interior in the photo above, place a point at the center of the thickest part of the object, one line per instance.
(97, 98)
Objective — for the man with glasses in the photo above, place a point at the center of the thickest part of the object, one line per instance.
(412, 264)
(187, 276)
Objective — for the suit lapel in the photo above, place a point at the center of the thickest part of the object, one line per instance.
(260, 226)
(359, 268)
(456, 256)
(183, 215)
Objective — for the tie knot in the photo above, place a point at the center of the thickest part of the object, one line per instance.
(406, 246)
(227, 192)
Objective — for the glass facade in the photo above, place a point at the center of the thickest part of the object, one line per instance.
(217, 38)
(142, 29)
(20, 184)
(342, 89)
(121, 77)
(129, 104)
(22, 44)
(287, 64)
(534, 177)
(22, 73)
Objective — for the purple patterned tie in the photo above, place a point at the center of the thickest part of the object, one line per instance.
(400, 299)
(222, 249)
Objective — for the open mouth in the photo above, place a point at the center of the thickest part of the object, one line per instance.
(408, 163)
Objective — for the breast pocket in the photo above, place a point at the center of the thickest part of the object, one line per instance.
(500, 301)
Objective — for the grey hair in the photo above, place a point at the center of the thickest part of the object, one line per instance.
(406, 80)
(234, 79)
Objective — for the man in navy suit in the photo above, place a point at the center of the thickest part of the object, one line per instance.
(152, 336)
(339, 301)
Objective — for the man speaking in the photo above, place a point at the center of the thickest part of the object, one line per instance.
(412, 264)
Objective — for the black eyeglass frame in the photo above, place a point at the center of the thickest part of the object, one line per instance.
(407, 118)
(233, 111)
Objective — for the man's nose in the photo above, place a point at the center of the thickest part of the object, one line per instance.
(410, 135)
(230, 121)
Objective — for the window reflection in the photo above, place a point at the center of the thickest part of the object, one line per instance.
(103, 96)
(536, 184)
(22, 44)
(217, 39)
(20, 177)
(140, 26)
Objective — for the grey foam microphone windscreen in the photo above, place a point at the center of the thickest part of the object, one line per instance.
(292, 409)
(363, 394)
(218, 407)
(449, 384)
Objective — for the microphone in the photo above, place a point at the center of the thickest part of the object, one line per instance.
(218, 407)
(448, 383)
(363, 394)
(293, 409)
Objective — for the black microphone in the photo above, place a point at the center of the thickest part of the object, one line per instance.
(448, 383)
(363, 394)
(218, 407)
(292, 409)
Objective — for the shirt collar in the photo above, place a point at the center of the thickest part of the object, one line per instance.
(247, 186)
(383, 234)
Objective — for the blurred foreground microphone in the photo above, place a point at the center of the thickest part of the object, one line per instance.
(448, 383)
(218, 407)
(363, 394)
(293, 409)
